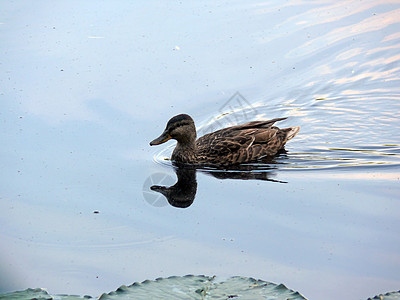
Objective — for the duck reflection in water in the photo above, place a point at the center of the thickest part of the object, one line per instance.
(183, 192)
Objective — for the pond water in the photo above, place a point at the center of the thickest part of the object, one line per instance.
(85, 86)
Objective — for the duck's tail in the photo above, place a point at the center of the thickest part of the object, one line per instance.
(291, 132)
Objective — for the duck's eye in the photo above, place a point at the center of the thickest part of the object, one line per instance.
(172, 127)
(175, 126)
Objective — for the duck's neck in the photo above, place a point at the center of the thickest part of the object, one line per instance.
(184, 152)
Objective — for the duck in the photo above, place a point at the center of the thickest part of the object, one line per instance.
(234, 145)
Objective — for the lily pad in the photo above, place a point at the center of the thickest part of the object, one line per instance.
(387, 296)
(38, 294)
(204, 287)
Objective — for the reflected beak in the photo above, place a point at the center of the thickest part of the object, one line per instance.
(161, 139)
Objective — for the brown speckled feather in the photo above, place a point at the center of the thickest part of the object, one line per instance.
(242, 143)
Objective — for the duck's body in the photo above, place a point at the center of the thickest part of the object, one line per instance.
(244, 143)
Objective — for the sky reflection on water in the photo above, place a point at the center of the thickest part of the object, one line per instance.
(86, 85)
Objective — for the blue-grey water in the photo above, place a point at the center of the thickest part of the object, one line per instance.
(85, 86)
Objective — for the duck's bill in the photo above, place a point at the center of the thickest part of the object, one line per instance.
(161, 139)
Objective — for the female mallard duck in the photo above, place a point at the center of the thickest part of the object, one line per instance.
(229, 146)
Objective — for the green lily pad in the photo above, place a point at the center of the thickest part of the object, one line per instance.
(203, 287)
(38, 294)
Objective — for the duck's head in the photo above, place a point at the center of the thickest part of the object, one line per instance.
(180, 128)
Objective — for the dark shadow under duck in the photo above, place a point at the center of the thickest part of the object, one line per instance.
(233, 145)
(183, 192)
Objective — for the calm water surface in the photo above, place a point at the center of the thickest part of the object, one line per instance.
(86, 86)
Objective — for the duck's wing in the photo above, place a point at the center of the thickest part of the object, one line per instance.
(223, 145)
(243, 146)
(238, 130)
(241, 143)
